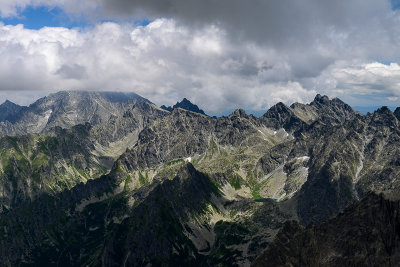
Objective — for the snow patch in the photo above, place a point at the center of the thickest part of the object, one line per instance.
(304, 158)
(42, 121)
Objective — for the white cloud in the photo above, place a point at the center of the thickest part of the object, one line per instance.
(369, 78)
(161, 61)
(220, 54)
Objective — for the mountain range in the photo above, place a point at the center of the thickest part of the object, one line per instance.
(110, 179)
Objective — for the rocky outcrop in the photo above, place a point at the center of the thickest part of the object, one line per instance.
(184, 104)
(282, 116)
(10, 111)
(333, 111)
(299, 116)
(365, 234)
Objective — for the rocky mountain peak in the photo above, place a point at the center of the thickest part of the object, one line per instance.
(321, 99)
(383, 113)
(8, 103)
(384, 116)
(279, 107)
(324, 101)
(239, 113)
(281, 116)
(9, 111)
(333, 111)
(185, 101)
(278, 110)
(383, 110)
(185, 104)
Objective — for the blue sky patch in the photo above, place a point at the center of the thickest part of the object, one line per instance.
(39, 17)
(395, 4)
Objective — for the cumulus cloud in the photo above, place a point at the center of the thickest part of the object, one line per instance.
(221, 54)
(369, 78)
(161, 61)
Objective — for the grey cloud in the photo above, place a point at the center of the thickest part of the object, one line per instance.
(309, 64)
(285, 22)
(73, 71)
(309, 35)
(222, 54)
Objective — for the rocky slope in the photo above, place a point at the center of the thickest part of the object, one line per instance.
(33, 164)
(9, 111)
(165, 223)
(186, 188)
(348, 161)
(365, 234)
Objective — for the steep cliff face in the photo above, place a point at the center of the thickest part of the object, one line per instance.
(347, 161)
(365, 234)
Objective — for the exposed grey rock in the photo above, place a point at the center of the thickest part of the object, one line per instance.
(397, 113)
(365, 234)
(298, 116)
(9, 111)
(69, 108)
(34, 164)
(154, 207)
(184, 104)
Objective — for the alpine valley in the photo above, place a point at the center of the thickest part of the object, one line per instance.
(110, 179)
